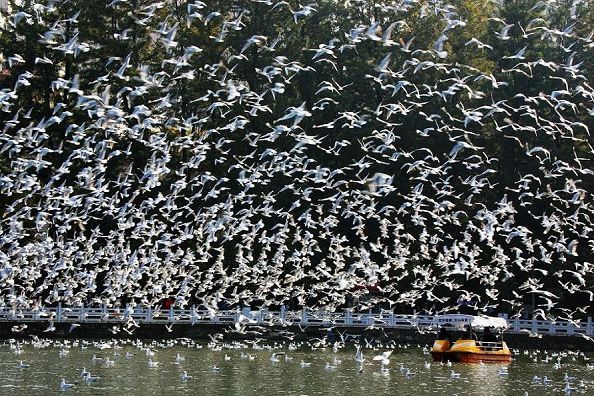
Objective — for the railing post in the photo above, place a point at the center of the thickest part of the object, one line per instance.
(171, 314)
(589, 327)
(148, 315)
(517, 324)
(247, 312)
(533, 325)
(348, 319)
(570, 328)
(414, 323)
(59, 313)
(304, 316)
(551, 328)
(193, 315)
(392, 319)
(282, 314)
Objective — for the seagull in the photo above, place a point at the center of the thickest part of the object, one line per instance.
(518, 55)
(329, 367)
(478, 43)
(569, 389)
(43, 61)
(383, 358)
(304, 364)
(50, 327)
(304, 12)
(504, 33)
(546, 380)
(382, 66)
(408, 374)
(274, 358)
(18, 328)
(64, 385)
(359, 355)
(405, 46)
(21, 15)
(22, 365)
(90, 378)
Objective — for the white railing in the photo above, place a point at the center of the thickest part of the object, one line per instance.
(264, 317)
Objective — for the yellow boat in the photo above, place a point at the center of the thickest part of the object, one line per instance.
(467, 349)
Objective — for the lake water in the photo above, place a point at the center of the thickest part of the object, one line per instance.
(248, 370)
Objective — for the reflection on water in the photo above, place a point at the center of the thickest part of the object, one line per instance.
(242, 369)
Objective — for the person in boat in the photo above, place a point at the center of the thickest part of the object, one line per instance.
(444, 334)
(331, 337)
(488, 336)
(470, 333)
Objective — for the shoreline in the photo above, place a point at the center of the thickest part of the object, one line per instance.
(273, 333)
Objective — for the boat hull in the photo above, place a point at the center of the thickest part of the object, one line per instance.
(470, 357)
(470, 351)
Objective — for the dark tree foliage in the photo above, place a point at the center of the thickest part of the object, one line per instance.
(402, 154)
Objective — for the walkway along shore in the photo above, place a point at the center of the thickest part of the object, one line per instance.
(146, 323)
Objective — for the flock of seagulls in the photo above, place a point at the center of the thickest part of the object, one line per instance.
(233, 167)
(322, 356)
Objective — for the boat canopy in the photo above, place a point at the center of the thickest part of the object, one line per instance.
(460, 321)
